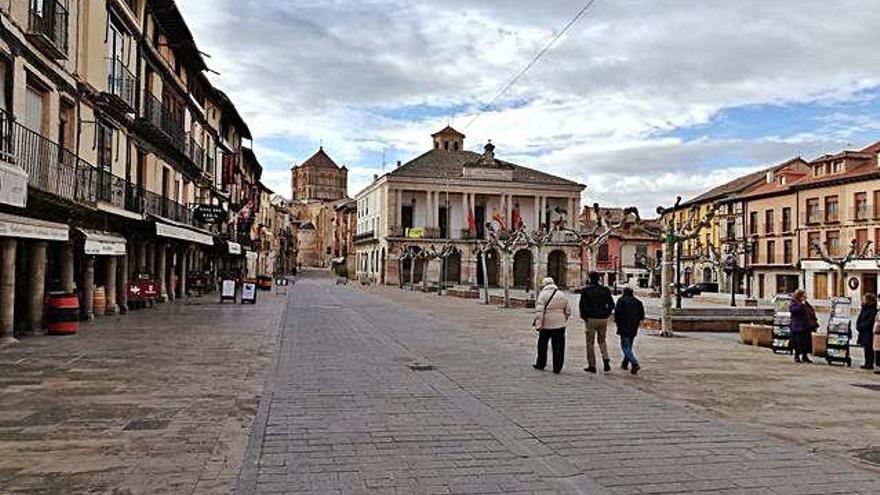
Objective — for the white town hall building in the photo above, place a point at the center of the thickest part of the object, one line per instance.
(450, 194)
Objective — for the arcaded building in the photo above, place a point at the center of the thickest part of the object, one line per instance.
(319, 179)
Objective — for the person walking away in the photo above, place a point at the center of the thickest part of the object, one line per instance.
(877, 341)
(596, 306)
(865, 327)
(628, 315)
(552, 311)
(801, 326)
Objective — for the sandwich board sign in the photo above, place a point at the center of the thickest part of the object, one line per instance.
(227, 291)
(249, 292)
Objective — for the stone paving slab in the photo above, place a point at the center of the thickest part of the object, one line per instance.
(346, 413)
(157, 401)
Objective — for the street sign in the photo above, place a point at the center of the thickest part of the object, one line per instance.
(214, 214)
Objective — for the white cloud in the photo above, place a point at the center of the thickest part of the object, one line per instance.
(336, 70)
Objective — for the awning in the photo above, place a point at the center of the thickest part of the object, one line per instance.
(234, 248)
(103, 243)
(175, 230)
(31, 228)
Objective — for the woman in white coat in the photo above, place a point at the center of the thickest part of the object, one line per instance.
(552, 310)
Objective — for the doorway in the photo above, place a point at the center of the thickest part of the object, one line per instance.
(820, 286)
(522, 269)
(491, 259)
(869, 283)
(557, 268)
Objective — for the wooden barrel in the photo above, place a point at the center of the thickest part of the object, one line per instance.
(99, 301)
(63, 314)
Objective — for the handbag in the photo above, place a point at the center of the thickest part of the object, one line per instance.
(539, 319)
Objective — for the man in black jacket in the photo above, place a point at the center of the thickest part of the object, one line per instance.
(628, 315)
(596, 305)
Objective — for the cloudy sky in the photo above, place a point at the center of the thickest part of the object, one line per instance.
(641, 101)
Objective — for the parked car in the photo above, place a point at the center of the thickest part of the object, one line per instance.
(697, 289)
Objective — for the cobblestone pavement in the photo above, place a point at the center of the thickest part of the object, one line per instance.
(157, 401)
(828, 409)
(370, 396)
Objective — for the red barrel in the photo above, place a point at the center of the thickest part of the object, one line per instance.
(63, 314)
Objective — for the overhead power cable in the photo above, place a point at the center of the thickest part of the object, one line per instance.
(532, 62)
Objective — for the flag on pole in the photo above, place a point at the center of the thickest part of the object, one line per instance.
(472, 222)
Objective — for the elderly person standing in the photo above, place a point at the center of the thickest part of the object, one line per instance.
(552, 311)
(865, 326)
(803, 323)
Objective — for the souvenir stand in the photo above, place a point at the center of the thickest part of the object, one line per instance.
(781, 324)
(839, 332)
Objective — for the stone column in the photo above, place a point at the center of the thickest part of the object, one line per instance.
(142, 264)
(537, 215)
(88, 287)
(428, 195)
(151, 257)
(37, 274)
(67, 272)
(398, 208)
(162, 269)
(181, 281)
(110, 285)
(464, 211)
(8, 247)
(122, 284)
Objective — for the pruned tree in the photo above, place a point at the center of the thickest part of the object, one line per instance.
(433, 253)
(508, 242)
(653, 266)
(601, 229)
(672, 234)
(839, 262)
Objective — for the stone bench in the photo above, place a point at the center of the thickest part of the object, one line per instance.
(758, 335)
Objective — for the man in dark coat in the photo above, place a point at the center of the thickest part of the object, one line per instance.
(865, 326)
(628, 314)
(596, 306)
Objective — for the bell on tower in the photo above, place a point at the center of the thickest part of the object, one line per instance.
(448, 140)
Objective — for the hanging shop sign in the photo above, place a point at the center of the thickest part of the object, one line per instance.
(183, 234)
(234, 248)
(212, 214)
(415, 233)
(103, 244)
(31, 228)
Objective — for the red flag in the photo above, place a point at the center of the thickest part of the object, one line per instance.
(515, 218)
(472, 223)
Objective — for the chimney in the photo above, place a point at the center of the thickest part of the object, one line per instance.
(398, 163)
(375, 177)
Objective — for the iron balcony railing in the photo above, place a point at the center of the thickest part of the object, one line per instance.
(195, 153)
(50, 168)
(111, 189)
(161, 118)
(121, 82)
(48, 20)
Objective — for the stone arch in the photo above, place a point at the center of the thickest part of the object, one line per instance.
(523, 268)
(492, 264)
(707, 274)
(557, 267)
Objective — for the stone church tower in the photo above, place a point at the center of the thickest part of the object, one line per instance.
(319, 179)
